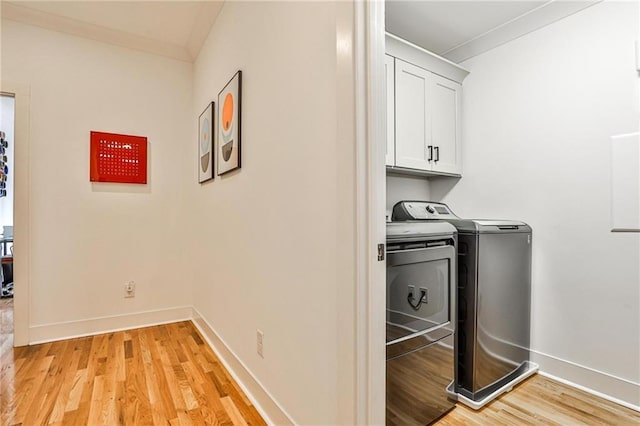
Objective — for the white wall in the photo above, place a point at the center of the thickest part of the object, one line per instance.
(7, 106)
(268, 240)
(88, 239)
(538, 114)
(406, 188)
(270, 246)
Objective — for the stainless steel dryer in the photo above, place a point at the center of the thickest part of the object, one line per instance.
(421, 319)
(494, 299)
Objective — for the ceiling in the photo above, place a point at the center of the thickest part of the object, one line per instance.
(459, 30)
(171, 28)
(454, 29)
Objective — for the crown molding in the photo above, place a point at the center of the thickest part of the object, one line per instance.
(526, 23)
(26, 15)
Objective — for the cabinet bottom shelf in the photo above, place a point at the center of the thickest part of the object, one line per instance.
(402, 171)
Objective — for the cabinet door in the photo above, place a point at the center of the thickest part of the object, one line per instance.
(413, 127)
(389, 71)
(445, 121)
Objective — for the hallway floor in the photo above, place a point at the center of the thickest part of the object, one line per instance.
(156, 375)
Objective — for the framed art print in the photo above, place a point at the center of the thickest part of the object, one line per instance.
(229, 111)
(205, 144)
(117, 158)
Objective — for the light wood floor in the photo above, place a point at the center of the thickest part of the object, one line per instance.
(541, 401)
(6, 325)
(168, 375)
(164, 375)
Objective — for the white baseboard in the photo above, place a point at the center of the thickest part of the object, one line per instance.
(271, 411)
(615, 389)
(91, 326)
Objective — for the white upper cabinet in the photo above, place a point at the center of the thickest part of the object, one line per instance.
(389, 71)
(413, 126)
(423, 111)
(445, 124)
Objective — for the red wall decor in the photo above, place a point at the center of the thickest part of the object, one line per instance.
(118, 158)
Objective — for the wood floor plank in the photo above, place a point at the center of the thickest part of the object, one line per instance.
(165, 403)
(76, 390)
(137, 405)
(95, 408)
(247, 410)
(47, 395)
(233, 412)
(63, 394)
(108, 414)
(29, 393)
(210, 413)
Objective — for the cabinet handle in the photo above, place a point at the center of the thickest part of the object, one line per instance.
(430, 148)
(437, 154)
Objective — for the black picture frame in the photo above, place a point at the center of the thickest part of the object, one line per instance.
(206, 162)
(229, 133)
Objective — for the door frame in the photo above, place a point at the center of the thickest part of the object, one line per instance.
(21, 211)
(371, 123)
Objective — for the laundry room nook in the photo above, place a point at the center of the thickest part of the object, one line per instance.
(514, 114)
(219, 212)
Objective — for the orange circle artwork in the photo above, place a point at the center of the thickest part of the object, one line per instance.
(227, 112)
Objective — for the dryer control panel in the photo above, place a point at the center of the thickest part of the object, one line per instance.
(421, 210)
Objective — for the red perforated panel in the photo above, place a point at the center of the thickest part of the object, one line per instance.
(118, 158)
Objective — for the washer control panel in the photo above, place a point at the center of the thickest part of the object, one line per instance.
(421, 210)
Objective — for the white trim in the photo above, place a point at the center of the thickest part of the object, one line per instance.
(107, 324)
(535, 19)
(351, 379)
(268, 407)
(362, 384)
(371, 133)
(26, 15)
(607, 386)
(422, 58)
(590, 391)
(22, 211)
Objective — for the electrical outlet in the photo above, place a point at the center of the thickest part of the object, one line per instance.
(129, 289)
(259, 341)
(412, 291)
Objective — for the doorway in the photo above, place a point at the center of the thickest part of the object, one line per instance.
(15, 110)
(7, 132)
(7, 155)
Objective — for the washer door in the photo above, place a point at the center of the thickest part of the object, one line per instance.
(420, 286)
